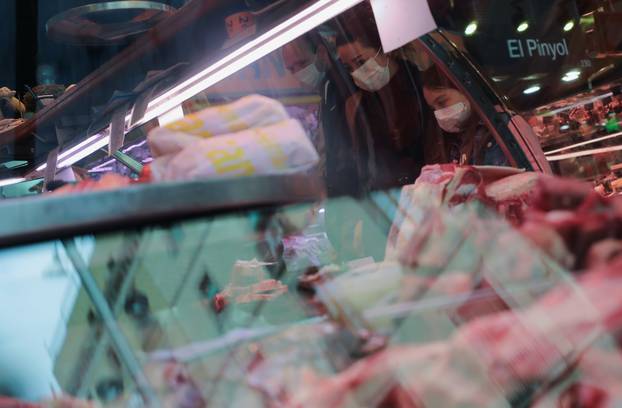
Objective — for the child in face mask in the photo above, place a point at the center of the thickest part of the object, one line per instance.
(466, 139)
(451, 108)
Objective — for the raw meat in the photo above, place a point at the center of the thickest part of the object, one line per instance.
(488, 360)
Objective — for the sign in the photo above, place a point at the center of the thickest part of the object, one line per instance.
(532, 48)
(402, 21)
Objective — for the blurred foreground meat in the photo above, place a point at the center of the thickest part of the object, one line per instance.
(564, 218)
(494, 358)
(512, 354)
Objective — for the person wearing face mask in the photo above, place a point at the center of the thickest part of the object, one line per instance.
(466, 140)
(308, 59)
(386, 115)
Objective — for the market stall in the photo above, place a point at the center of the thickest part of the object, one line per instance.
(304, 213)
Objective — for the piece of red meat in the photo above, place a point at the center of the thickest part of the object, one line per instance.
(489, 359)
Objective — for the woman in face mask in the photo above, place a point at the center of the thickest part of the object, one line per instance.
(386, 114)
(466, 139)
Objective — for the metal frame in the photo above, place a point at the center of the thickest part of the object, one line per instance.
(120, 342)
(39, 219)
(69, 25)
(486, 100)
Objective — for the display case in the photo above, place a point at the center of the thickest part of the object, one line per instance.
(557, 64)
(268, 203)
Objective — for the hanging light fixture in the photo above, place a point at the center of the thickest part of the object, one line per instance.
(107, 22)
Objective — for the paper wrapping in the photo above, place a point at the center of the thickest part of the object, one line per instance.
(276, 149)
(248, 112)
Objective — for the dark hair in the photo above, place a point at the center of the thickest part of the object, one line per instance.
(433, 78)
(358, 24)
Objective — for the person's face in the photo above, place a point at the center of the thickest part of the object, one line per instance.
(354, 55)
(439, 99)
(238, 23)
(297, 56)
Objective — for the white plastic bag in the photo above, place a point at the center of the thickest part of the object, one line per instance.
(277, 149)
(245, 113)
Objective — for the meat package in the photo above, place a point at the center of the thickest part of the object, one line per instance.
(524, 272)
(251, 136)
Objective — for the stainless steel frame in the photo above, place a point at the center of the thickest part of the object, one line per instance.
(46, 218)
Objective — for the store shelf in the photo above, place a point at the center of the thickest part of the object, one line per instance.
(42, 218)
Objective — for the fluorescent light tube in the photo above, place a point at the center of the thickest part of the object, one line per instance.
(289, 30)
(598, 139)
(8, 182)
(87, 151)
(81, 150)
(165, 104)
(171, 116)
(584, 153)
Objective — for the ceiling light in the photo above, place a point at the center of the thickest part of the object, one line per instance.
(8, 182)
(569, 26)
(522, 27)
(571, 76)
(532, 90)
(471, 28)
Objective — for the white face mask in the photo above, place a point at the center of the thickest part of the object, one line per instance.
(371, 76)
(453, 118)
(310, 76)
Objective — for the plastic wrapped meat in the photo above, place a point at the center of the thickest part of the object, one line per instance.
(563, 217)
(489, 361)
(249, 112)
(275, 149)
(109, 181)
(249, 283)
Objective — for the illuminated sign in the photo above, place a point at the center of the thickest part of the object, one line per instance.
(531, 48)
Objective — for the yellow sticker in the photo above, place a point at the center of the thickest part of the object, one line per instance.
(227, 161)
(274, 150)
(233, 120)
(191, 125)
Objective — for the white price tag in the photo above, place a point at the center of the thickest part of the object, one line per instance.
(402, 21)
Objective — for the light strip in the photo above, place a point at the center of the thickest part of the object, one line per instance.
(294, 27)
(171, 116)
(576, 105)
(299, 24)
(584, 153)
(11, 181)
(73, 150)
(598, 139)
(87, 151)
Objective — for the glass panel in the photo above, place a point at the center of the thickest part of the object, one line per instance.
(556, 63)
(474, 286)
(374, 119)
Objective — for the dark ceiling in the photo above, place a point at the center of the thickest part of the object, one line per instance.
(25, 44)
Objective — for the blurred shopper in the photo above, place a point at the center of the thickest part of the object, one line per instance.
(310, 62)
(386, 116)
(466, 140)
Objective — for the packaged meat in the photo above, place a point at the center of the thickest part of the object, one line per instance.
(110, 181)
(275, 149)
(248, 112)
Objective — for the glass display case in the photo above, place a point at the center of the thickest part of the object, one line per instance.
(557, 64)
(258, 203)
